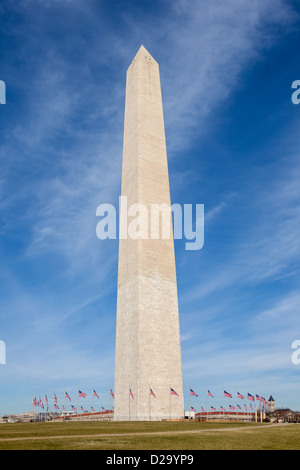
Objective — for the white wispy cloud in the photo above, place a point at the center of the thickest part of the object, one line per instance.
(206, 49)
(264, 243)
(209, 45)
(260, 349)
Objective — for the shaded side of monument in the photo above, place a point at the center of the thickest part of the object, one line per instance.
(148, 351)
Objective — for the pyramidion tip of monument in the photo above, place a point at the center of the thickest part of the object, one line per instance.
(143, 52)
(142, 49)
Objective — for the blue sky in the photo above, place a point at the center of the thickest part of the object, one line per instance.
(233, 145)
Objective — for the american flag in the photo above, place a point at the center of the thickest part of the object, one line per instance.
(202, 409)
(152, 393)
(55, 406)
(95, 394)
(231, 407)
(208, 393)
(103, 409)
(55, 398)
(173, 392)
(222, 408)
(250, 397)
(193, 393)
(111, 392)
(212, 408)
(81, 394)
(67, 396)
(239, 395)
(130, 393)
(226, 394)
(73, 407)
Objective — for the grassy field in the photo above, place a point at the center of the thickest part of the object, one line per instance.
(148, 436)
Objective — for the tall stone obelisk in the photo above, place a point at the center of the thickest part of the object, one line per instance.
(148, 351)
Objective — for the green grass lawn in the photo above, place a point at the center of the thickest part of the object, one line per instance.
(130, 436)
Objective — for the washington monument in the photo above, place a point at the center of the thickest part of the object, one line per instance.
(148, 373)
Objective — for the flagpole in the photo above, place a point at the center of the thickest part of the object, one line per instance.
(129, 401)
(93, 403)
(249, 411)
(33, 408)
(248, 414)
(170, 403)
(207, 404)
(149, 404)
(189, 402)
(223, 404)
(46, 400)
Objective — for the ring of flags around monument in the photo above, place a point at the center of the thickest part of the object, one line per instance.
(238, 396)
(38, 402)
(61, 407)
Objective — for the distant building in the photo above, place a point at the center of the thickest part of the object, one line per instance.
(271, 404)
(283, 415)
(24, 417)
(225, 416)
